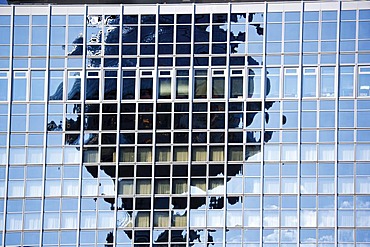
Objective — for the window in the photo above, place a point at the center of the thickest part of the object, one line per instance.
(200, 84)
(290, 82)
(327, 81)
(364, 81)
(164, 91)
(346, 81)
(182, 84)
(146, 85)
(309, 82)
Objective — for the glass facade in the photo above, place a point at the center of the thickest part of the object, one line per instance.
(239, 124)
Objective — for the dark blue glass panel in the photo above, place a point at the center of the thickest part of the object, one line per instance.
(183, 33)
(129, 49)
(165, 49)
(183, 19)
(164, 61)
(146, 62)
(182, 61)
(201, 34)
(218, 61)
(147, 34)
(219, 18)
(166, 19)
(129, 34)
(202, 18)
(148, 19)
(201, 49)
(218, 33)
(129, 62)
(183, 49)
(237, 60)
(147, 49)
(130, 19)
(200, 61)
(219, 48)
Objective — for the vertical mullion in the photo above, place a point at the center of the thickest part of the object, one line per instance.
(226, 95)
(299, 120)
(262, 126)
(10, 80)
(46, 94)
(190, 112)
(118, 100)
(82, 98)
(336, 125)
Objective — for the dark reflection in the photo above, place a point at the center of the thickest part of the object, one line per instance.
(181, 121)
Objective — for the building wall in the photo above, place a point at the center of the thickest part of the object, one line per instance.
(239, 124)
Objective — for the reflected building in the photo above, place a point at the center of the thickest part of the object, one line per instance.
(192, 124)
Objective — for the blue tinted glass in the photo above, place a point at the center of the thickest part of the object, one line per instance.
(34, 172)
(16, 172)
(364, 30)
(13, 238)
(39, 20)
(289, 202)
(311, 16)
(21, 35)
(15, 205)
(274, 17)
(363, 135)
(326, 201)
(309, 105)
(346, 104)
(76, 20)
(348, 15)
(329, 15)
(50, 238)
(362, 235)
(3, 140)
(251, 202)
(292, 16)
(69, 204)
(4, 51)
(33, 205)
(58, 20)
(39, 35)
(51, 204)
(345, 202)
(5, 19)
(364, 14)
(345, 169)
(308, 169)
(31, 238)
(328, 31)
(21, 20)
(363, 202)
(308, 201)
(87, 237)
